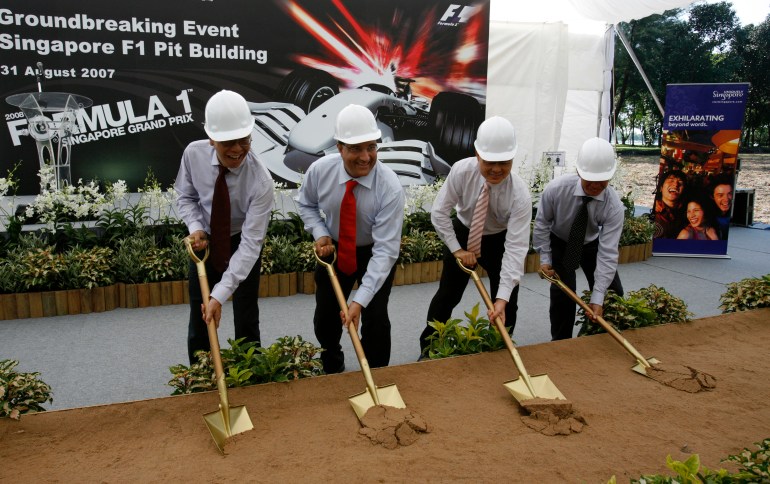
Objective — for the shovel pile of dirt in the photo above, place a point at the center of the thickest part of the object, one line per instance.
(682, 377)
(552, 417)
(391, 427)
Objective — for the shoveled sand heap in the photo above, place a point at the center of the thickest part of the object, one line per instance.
(682, 377)
(552, 416)
(391, 427)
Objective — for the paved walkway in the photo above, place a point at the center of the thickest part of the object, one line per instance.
(124, 354)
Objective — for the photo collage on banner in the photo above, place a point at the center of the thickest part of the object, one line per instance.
(698, 168)
(122, 86)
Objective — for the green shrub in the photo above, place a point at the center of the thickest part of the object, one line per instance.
(454, 339)
(38, 269)
(129, 255)
(636, 230)
(87, 268)
(21, 392)
(753, 467)
(284, 254)
(648, 306)
(420, 246)
(306, 260)
(289, 358)
(750, 293)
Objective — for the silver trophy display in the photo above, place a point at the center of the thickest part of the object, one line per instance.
(51, 119)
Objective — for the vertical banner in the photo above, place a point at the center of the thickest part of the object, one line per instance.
(128, 81)
(698, 161)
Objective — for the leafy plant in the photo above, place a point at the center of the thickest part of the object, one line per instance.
(746, 294)
(284, 254)
(753, 468)
(645, 307)
(420, 246)
(289, 358)
(306, 261)
(157, 265)
(87, 268)
(636, 230)
(21, 392)
(453, 338)
(128, 258)
(38, 269)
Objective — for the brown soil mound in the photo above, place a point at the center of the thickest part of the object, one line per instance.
(682, 377)
(305, 431)
(391, 427)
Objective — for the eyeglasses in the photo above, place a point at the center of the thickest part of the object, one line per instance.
(243, 142)
(358, 149)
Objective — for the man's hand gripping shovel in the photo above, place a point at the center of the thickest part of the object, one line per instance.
(227, 421)
(373, 395)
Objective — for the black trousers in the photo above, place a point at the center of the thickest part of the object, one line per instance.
(563, 309)
(454, 280)
(245, 305)
(374, 322)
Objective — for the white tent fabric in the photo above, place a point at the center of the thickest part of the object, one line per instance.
(550, 69)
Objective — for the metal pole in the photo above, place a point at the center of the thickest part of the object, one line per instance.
(631, 53)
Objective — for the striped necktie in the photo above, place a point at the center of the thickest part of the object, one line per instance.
(477, 223)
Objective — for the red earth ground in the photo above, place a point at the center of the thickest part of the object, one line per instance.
(306, 431)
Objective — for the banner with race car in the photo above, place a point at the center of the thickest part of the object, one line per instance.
(698, 166)
(111, 90)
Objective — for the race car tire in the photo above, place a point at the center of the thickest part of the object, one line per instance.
(307, 88)
(454, 119)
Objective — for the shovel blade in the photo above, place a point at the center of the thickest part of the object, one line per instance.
(641, 369)
(543, 386)
(387, 395)
(239, 423)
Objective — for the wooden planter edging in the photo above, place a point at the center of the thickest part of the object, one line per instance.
(120, 295)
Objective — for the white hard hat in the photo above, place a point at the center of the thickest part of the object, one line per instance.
(356, 124)
(596, 160)
(228, 117)
(496, 140)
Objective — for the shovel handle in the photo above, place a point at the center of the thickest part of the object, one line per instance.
(353, 332)
(555, 279)
(500, 327)
(200, 265)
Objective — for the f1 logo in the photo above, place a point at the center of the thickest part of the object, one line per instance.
(457, 14)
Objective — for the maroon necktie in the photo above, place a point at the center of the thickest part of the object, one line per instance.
(346, 258)
(220, 223)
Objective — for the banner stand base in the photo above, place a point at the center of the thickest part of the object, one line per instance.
(699, 256)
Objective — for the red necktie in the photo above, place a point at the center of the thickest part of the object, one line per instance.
(346, 242)
(220, 223)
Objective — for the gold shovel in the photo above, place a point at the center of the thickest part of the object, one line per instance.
(227, 421)
(373, 395)
(642, 364)
(527, 387)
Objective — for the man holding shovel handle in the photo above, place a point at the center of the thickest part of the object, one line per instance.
(352, 200)
(494, 210)
(578, 224)
(225, 198)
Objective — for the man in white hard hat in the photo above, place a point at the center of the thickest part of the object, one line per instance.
(239, 218)
(503, 229)
(597, 250)
(367, 235)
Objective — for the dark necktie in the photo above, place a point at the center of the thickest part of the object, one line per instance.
(577, 234)
(220, 223)
(346, 258)
(478, 220)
